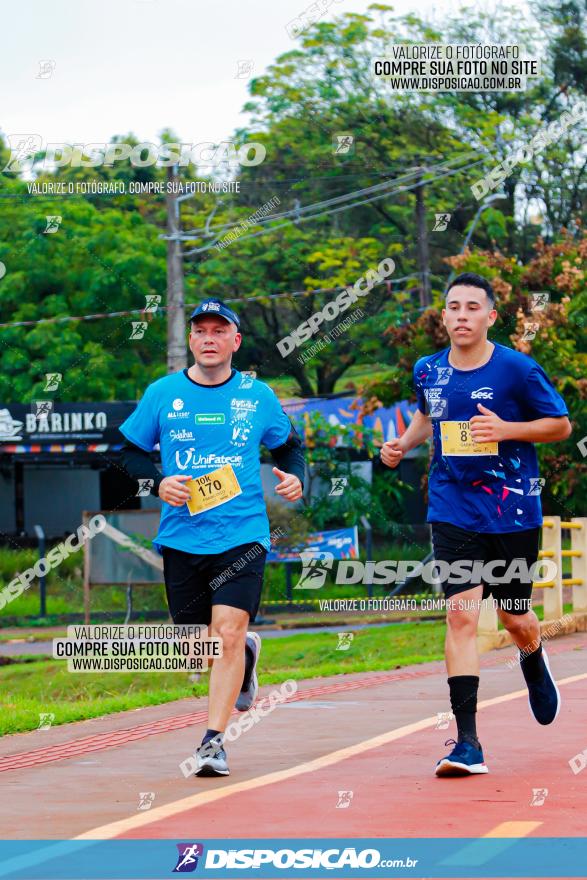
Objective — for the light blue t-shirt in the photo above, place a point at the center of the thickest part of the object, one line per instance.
(201, 428)
(486, 493)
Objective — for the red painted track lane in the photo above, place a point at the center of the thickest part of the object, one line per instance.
(115, 738)
(396, 795)
(113, 759)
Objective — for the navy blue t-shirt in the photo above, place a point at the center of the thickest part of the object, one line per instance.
(199, 429)
(491, 492)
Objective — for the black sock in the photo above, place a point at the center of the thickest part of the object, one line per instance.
(532, 664)
(249, 661)
(463, 700)
(210, 734)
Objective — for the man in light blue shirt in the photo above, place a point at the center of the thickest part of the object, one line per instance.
(209, 421)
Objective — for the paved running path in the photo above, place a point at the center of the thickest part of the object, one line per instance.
(85, 778)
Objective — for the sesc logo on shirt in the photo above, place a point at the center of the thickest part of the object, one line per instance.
(483, 393)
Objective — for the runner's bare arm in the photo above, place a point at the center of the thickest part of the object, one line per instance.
(419, 430)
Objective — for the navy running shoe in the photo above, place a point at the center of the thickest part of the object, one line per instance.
(544, 698)
(464, 760)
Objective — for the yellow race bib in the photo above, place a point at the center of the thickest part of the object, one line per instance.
(457, 440)
(213, 489)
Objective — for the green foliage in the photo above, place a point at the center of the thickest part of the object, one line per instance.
(331, 451)
(108, 254)
(98, 261)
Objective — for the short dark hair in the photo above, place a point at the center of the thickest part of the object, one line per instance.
(471, 279)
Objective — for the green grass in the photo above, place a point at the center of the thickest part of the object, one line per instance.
(32, 686)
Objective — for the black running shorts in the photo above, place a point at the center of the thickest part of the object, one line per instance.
(514, 593)
(194, 582)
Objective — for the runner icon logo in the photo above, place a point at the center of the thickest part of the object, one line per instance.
(539, 795)
(536, 485)
(344, 641)
(187, 860)
(443, 720)
(46, 719)
(146, 799)
(438, 409)
(444, 374)
(344, 799)
(578, 762)
(315, 566)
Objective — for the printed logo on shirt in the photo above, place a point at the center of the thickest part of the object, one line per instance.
(210, 418)
(181, 435)
(185, 459)
(243, 405)
(241, 431)
(485, 393)
(433, 394)
(184, 414)
(177, 403)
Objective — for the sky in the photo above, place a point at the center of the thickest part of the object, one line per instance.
(144, 65)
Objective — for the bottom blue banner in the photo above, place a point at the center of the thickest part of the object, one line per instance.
(383, 858)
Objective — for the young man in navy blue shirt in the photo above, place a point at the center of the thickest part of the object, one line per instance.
(485, 406)
(209, 421)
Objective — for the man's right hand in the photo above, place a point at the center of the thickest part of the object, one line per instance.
(173, 491)
(392, 452)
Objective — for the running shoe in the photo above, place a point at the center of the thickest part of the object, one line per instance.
(544, 698)
(250, 688)
(211, 758)
(464, 760)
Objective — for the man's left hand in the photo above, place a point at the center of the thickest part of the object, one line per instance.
(488, 427)
(289, 486)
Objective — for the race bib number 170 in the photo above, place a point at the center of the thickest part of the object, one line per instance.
(213, 489)
(457, 440)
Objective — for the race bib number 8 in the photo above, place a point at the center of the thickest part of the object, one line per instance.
(457, 440)
(213, 489)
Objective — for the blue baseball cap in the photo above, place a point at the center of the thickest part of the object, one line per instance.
(215, 307)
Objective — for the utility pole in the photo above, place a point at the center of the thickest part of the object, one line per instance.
(176, 340)
(422, 243)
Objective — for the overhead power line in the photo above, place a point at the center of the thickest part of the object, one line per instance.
(290, 294)
(334, 200)
(335, 210)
